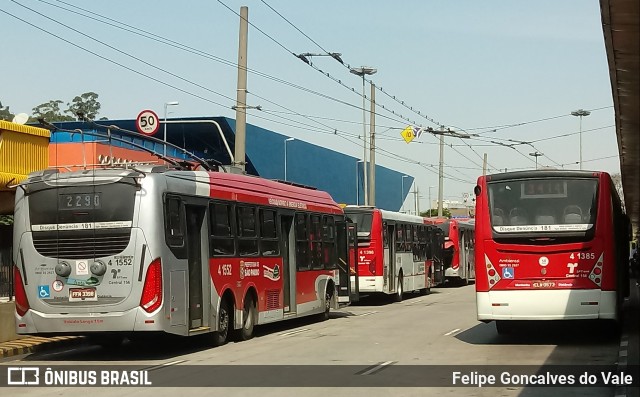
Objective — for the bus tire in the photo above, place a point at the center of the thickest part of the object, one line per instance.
(399, 289)
(328, 296)
(249, 319)
(221, 336)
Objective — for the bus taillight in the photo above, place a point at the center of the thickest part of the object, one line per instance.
(372, 266)
(492, 275)
(152, 292)
(22, 303)
(596, 272)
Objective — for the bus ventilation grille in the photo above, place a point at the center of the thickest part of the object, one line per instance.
(273, 299)
(81, 247)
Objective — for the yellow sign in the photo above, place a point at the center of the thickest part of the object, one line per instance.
(407, 134)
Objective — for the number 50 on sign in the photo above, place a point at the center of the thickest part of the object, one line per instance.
(147, 122)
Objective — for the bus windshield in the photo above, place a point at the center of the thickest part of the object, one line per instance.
(549, 206)
(445, 228)
(363, 221)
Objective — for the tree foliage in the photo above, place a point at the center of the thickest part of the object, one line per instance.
(434, 212)
(50, 111)
(5, 113)
(87, 104)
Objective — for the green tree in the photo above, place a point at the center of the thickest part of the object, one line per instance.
(6, 219)
(5, 114)
(50, 111)
(86, 104)
(434, 212)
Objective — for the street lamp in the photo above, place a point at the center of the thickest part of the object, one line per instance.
(362, 71)
(536, 154)
(430, 187)
(580, 113)
(285, 156)
(173, 103)
(357, 182)
(402, 192)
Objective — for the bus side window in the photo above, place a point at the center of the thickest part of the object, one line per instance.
(329, 242)
(247, 234)
(385, 235)
(174, 222)
(222, 231)
(399, 238)
(315, 242)
(302, 242)
(269, 242)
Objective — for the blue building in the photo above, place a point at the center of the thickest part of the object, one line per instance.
(308, 164)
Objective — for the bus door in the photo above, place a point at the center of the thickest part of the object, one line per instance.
(462, 254)
(288, 249)
(346, 235)
(195, 217)
(389, 270)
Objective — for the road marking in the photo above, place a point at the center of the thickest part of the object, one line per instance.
(164, 365)
(376, 368)
(297, 331)
(414, 302)
(452, 332)
(366, 314)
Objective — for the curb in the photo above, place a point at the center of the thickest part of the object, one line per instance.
(35, 344)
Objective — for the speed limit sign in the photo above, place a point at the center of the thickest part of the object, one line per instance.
(147, 122)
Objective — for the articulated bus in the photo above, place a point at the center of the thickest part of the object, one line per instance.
(459, 257)
(125, 252)
(551, 245)
(394, 252)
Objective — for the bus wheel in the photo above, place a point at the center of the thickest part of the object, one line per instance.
(327, 305)
(221, 336)
(249, 320)
(399, 291)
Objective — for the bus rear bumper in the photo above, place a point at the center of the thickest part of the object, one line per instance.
(546, 305)
(34, 322)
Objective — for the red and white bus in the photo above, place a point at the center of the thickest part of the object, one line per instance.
(393, 252)
(124, 252)
(459, 257)
(550, 245)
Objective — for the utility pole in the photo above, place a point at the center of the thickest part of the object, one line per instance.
(372, 148)
(484, 165)
(241, 96)
(440, 176)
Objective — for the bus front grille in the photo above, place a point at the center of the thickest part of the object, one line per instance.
(81, 247)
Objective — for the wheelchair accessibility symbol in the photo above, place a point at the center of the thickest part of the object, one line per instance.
(43, 291)
(508, 272)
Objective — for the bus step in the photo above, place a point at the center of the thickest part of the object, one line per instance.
(199, 330)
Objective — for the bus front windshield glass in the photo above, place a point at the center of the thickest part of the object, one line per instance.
(363, 221)
(543, 206)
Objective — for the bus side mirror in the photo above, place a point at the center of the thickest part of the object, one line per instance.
(477, 190)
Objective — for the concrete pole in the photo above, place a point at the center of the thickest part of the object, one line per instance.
(364, 145)
(484, 165)
(372, 148)
(241, 98)
(441, 176)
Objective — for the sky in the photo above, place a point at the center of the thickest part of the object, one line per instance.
(507, 73)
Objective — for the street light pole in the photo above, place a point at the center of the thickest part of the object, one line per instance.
(402, 192)
(285, 156)
(362, 71)
(173, 103)
(536, 154)
(580, 113)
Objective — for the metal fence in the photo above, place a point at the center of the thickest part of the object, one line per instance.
(6, 273)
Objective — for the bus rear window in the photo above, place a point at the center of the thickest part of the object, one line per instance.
(549, 205)
(363, 221)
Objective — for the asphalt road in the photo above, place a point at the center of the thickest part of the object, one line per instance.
(373, 348)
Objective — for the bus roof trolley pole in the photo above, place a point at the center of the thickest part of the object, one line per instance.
(224, 140)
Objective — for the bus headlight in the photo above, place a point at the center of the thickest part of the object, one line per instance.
(98, 268)
(63, 269)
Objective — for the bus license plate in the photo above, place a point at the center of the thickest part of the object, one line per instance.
(82, 294)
